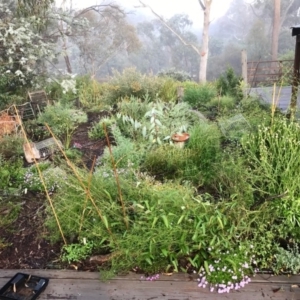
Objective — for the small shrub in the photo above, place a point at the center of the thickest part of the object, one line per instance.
(97, 131)
(168, 90)
(176, 75)
(53, 178)
(166, 162)
(11, 173)
(198, 96)
(205, 145)
(63, 120)
(91, 93)
(131, 83)
(288, 260)
(77, 252)
(11, 146)
(229, 84)
(223, 104)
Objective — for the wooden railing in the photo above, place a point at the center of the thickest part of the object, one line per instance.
(266, 73)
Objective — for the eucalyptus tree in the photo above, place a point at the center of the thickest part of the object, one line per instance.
(279, 16)
(108, 33)
(203, 52)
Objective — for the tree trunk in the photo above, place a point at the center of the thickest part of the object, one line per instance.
(204, 49)
(276, 29)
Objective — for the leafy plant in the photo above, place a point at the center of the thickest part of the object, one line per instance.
(52, 177)
(288, 260)
(91, 93)
(11, 147)
(198, 96)
(131, 83)
(63, 120)
(176, 75)
(77, 252)
(97, 131)
(227, 269)
(229, 84)
(11, 173)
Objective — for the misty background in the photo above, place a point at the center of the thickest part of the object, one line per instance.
(122, 34)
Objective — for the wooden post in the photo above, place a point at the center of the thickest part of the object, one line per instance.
(244, 70)
(296, 79)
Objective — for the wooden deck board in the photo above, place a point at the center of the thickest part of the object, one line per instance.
(86, 285)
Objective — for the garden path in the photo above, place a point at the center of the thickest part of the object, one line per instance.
(87, 286)
(282, 95)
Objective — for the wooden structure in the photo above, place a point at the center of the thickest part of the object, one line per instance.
(38, 100)
(266, 73)
(87, 286)
(296, 78)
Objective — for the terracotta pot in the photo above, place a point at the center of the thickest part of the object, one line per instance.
(180, 137)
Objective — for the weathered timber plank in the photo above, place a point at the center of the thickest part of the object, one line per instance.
(68, 274)
(130, 290)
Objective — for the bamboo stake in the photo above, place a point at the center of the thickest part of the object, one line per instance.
(88, 193)
(42, 180)
(86, 197)
(116, 176)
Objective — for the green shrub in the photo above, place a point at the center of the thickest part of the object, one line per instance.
(176, 75)
(11, 174)
(77, 252)
(126, 153)
(229, 84)
(166, 162)
(131, 83)
(223, 104)
(56, 92)
(205, 145)
(255, 111)
(91, 94)
(97, 131)
(288, 260)
(168, 90)
(273, 155)
(63, 120)
(198, 96)
(11, 146)
(53, 178)
(196, 162)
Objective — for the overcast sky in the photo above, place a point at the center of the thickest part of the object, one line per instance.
(166, 8)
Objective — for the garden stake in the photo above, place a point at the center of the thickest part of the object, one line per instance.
(116, 176)
(274, 101)
(86, 196)
(80, 181)
(42, 180)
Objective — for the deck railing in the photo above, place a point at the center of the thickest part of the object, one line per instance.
(266, 73)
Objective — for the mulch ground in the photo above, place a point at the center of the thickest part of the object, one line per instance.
(26, 238)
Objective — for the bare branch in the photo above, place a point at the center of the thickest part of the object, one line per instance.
(98, 8)
(283, 16)
(202, 5)
(182, 40)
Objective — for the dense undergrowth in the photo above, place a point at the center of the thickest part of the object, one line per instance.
(225, 205)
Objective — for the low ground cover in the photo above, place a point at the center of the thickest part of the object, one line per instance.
(225, 205)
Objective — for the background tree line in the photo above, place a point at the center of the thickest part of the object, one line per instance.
(39, 38)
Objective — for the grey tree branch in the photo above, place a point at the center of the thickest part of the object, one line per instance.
(202, 5)
(97, 8)
(182, 40)
(283, 16)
